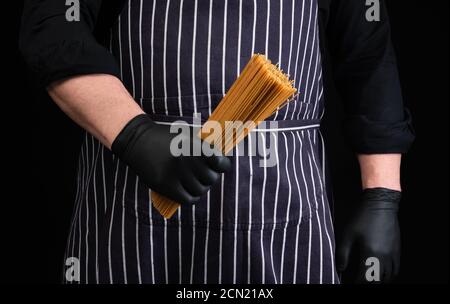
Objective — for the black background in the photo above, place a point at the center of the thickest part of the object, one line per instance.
(42, 147)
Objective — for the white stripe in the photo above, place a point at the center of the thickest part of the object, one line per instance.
(239, 40)
(263, 270)
(141, 51)
(152, 55)
(150, 215)
(208, 79)
(255, 18)
(290, 50)
(180, 108)
(275, 207)
(308, 270)
(138, 256)
(299, 84)
(112, 212)
(300, 207)
(166, 21)
(236, 199)
(280, 47)
(90, 165)
(322, 189)
(70, 242)
(300, 32)
(96, 211)
(193, 245)
(319, 88)
(77, 215)
(124, 259)
(180, 23)
(330, 219)
(208, 63)
(250, 199)
(316, 80)
(224, 50)
(224, 47)
(166, 258)
(288, 210)
(221, 228)
(310, 64)
(314, 84)
(313, 126)
(236, 214)
(267, 28)
(194, 45)
(134, 96)
(318, 222)
(111, 225)
(320, 98)
(81, 202)
(314, 77)
(194, 93)
(131, 51)
(103, 179)
(205, 268)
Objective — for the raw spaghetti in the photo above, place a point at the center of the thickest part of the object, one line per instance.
(260, 90)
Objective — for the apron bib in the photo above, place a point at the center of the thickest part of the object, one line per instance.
(259, 224)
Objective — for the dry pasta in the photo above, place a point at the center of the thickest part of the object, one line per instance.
(260, 90)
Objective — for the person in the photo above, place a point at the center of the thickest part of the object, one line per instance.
(124, 69)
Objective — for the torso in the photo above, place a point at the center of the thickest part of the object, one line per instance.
(259, 224)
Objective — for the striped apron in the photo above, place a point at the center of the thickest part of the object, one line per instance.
(259, 224)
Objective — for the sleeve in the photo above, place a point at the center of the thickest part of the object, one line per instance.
(55, 48)
(366, 77)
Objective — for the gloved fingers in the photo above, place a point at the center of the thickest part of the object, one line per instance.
(194, 186)
(343, 254)
(181, 195)
(219, 163)
(203, 172)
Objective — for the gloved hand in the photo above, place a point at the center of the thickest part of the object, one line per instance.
(145, 147)
(373, 232)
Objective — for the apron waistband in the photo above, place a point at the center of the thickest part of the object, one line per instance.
(265, 126)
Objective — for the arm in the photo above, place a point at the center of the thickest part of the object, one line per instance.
(79, 74)
(380, 171)
(98, 103)
(378, 128)
(82, 77)
(56, 49)
(366, 76)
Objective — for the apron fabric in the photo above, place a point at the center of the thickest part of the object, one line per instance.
(258, 224)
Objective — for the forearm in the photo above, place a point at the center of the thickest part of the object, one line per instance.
(380, 171)
(98, 103)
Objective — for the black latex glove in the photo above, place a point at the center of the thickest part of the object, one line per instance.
(145, 147)
(372, 232)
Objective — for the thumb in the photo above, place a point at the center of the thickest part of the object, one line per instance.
(343, 253)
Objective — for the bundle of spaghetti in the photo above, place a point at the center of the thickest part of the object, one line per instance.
(260, 90)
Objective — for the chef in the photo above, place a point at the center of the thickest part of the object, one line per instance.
(125, 69)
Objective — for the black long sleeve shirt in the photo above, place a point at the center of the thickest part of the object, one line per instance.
(362, 61)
